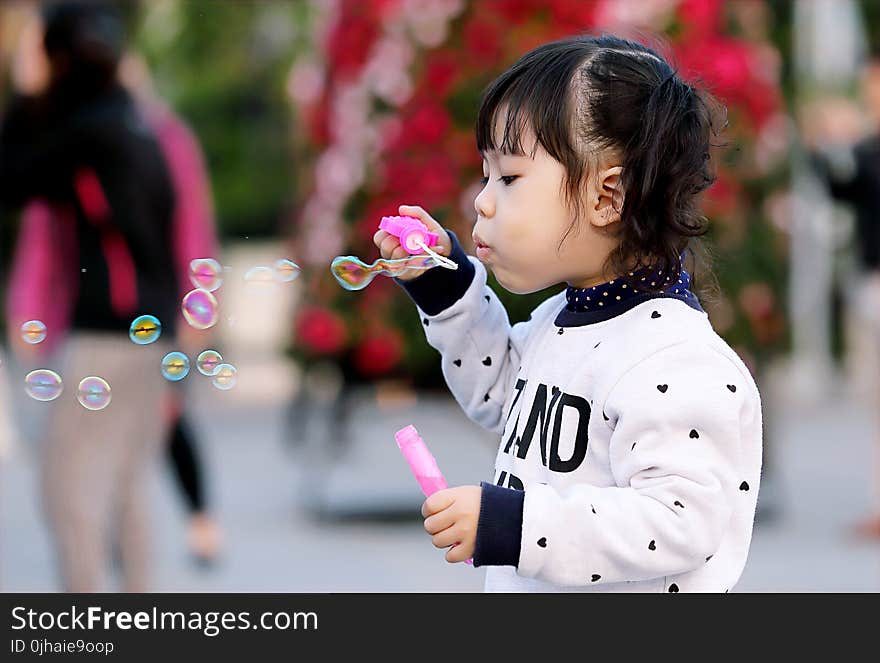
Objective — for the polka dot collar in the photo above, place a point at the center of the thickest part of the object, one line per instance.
(617, 292)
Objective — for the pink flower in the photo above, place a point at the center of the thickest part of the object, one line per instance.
(305, 84)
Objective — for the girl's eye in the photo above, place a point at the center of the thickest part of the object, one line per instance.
(508, 179)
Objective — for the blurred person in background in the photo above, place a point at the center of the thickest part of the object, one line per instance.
(195, 236)
(844, 140)
(80, 157)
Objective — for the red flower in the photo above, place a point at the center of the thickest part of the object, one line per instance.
(732, 71)
(349, 43)
(320, 330)
(426, 126)
(440, 73)
(701, 17)
(482, 40)
(379, 352)
(572, 17)
(317, 121)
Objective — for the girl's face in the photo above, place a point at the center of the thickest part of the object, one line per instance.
(522, 217)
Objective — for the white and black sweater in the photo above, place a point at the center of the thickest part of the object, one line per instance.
(630, 453)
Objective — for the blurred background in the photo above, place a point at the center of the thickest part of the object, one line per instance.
(288, 129)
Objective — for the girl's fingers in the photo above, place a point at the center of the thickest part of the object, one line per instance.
(448, 537)
(455, 555)
(399, 253)
(439, 522)
(412, 210)
(388, 246)
(420, 214)
(379, 237)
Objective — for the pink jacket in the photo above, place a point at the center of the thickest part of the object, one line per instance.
(42, 282)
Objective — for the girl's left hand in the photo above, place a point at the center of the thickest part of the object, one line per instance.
(451, 517)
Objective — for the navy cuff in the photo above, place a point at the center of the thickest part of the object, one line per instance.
(439, 288)
(499, 530)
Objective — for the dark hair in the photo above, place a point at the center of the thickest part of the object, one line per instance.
(587, 94)
(87, 36)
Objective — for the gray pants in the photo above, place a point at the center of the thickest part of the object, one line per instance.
(95, 464)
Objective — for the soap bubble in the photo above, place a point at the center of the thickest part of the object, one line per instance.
(354, 274)
(208, 361)
(224, 377)
(145, 329)
(286, 270)
(33, 331)
(205, 273)
(200, 308)
(175, 366)
(259, 275)
(93, 393)
(43, 385)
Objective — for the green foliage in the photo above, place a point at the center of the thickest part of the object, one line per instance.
(223, 66)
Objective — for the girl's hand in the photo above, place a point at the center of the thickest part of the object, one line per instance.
(389, 245)
(451, 517)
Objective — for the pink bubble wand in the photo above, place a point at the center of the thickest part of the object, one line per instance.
(421, 462)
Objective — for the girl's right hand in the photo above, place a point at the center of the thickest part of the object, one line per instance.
(389, 245)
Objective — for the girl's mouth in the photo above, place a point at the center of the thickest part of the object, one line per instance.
(482, 249)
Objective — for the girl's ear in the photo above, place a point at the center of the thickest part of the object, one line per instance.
(607, 198)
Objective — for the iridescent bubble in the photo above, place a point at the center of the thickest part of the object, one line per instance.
(224, 377)
(175, 366)
(33, 331)
(259, 275)
(205, 273)
(43, 385)
(145, 329)
(354, 274)
(286, 270)
(200, 308)
(208, 361)
(93, 393)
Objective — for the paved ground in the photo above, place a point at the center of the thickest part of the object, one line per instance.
(822, 481)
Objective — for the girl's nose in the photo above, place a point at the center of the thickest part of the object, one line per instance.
(484, 203)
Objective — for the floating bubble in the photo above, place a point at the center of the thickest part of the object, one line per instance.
(175, 366)
(208, 361)
(205, 273)
(354, 274)
(93, 393)
(43, 385)
(145, 329)
(286, 270)
(33, 332)
(224, 377)
(200, 308)
(259, 275)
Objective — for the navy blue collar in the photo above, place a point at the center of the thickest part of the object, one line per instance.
(605, 301)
